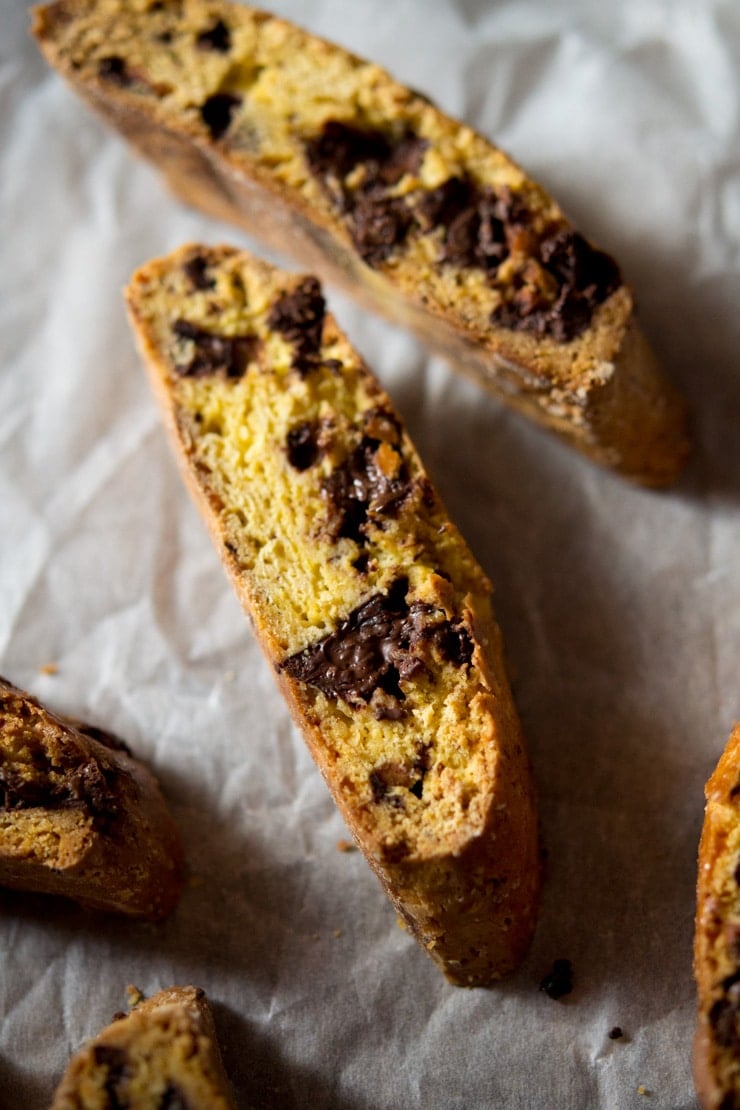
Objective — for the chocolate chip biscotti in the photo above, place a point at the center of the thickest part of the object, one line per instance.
(329, 159)
(367, 602)
(79, 816)
(162, 1056)
(717, 938)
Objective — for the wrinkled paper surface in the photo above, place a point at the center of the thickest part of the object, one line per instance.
(620, 608)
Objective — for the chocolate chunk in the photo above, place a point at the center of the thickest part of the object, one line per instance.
(559, 981)
(340, 147)
(585, 278)
(216, 113)
(409, 777)
(196, 271)
(112, 68)
(362, 562)
(377, 647)
(474, 232)
(229, 354)
(303, 447)
(359, 492)
(615, 1033)
(378, 222)
(299, 317)
(108, 1056)
(81, 783)
(217, 37)
(173, 1099)
(724, 1015)
(116, 1062)
(371, 483)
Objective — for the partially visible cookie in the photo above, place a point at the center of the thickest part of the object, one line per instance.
(329, 159)
(79, 816)
(162, 1056)
(717, 938)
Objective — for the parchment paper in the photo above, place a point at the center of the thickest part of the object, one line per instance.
(620, 608)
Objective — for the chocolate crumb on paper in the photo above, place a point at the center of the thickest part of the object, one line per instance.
(615, 1034)
(559, 980)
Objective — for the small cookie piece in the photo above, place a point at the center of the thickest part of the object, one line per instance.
(162, 1056)
(328, 159)
(79, 816)
(366, 599)
(717, 938)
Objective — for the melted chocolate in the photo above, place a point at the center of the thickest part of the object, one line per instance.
(377, 647)
(228, 354)
(85, 784)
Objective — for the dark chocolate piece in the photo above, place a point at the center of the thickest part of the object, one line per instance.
(116, 1062)
(112, 68)
(299, 317)
(585, 277)
(615, 1034)
(387, 776)
(474, 230)
(360, 490)
(217, 111)
(377, 647)
(378, 222)
(230, 354)
(559, 981)
(196, 271)
(217, 37)
(303, 447)
(173, 1098)
(83, 782)
(724, 1015)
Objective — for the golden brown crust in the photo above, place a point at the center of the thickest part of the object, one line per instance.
(163, 1053)
(600, 390)
(80, 817)
(717, 938)
(423, 754)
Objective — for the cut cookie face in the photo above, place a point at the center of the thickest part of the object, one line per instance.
(369, 605)
(79, 816)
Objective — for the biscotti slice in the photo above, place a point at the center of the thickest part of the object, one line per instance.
(161, 1056)
(79, 816)
(370, 607)
(717, 938)
(329, 159)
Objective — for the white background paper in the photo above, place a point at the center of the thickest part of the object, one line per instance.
(620, 608)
